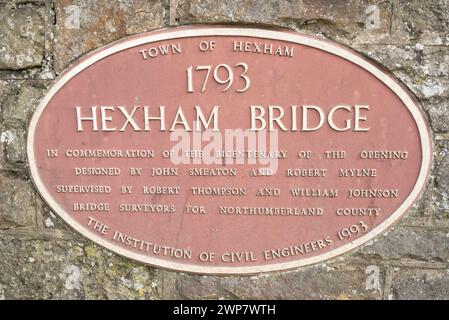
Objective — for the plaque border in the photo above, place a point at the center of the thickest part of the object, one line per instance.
(380, 72)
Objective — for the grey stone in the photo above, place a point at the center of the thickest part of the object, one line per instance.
(441, 194)
(424, 70)
(21, 37)
(2, 157)
(416, 62)
(13, 141)
(438, 110)
(318, 282)
(32, 73)
(50, 221)
(17, 203)
(346, 21)
(82, 25)
(426, 22)
(406, 243)
(419, 207)
(55, 269)
(17, 105)
(430, 88)
(4, 90)
(413, 284)
(21, 104)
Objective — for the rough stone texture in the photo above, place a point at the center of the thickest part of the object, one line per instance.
(83, 25)
(405, 243)
(421, 21)
(420, 284)
(56, 269)
(21, 36)
(441, 196)
(438, 109)
(355, 282)
(42, 257)
(17, 106)
(347, 21)
(411, 62)
(17, 203)
(425, 70)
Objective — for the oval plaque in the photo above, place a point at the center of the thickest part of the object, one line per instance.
(225, 150)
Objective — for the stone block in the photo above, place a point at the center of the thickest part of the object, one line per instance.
(414, 61)
(441, 193)
(13, 141)
(17, 203)
(17, 106)
(21, 37)
(417, 284)
(426, 22)
(438, 110)
(85, 25)
(332, 281)
(406, 243)
(56, 269)
(346, 21)
(424, 70)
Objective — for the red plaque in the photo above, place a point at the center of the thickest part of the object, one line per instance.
(226, 150)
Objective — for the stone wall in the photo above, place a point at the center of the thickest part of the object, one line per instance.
(41, 257)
